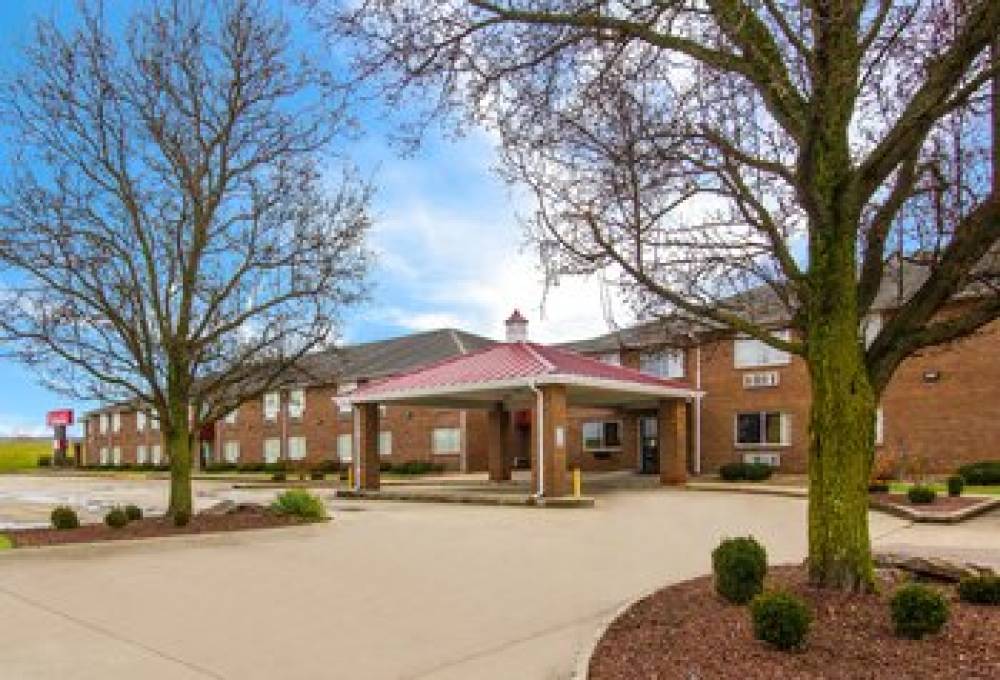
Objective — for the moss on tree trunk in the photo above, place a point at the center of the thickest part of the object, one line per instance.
(179, 446)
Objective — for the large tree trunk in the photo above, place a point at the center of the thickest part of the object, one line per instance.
(179, 445)
(841, 432)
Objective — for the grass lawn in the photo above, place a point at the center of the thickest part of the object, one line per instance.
(21, 454)
(5, 542)
(991, 490)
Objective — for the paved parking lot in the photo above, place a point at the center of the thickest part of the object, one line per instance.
(385, 590)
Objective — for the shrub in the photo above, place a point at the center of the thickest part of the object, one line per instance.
(327, 466)
(754, 472)
(133, 512)
(275, 467)
(781, 619)
(181, 518)
(250, 467)
(415, 467)
(955, 485)
(918, 610)
(732, 472)
(980, 590)
(64, 517)
(45, 460)
(317, 475)
(921, 495)
(757, 472)
(279, 476)
(385, 466)
(739, 565)
(878, 487)
(116, 518)
(300, 503)
(981, 473)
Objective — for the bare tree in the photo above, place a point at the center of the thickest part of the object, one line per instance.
(169, 234)
(750, 165)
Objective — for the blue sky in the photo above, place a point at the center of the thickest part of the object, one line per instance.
(450, 251)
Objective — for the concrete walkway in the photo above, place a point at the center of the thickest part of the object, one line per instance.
(386, 590)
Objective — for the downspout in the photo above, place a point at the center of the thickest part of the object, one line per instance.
(697, 411)
(539, 406)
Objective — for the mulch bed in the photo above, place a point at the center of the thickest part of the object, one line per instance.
(241, 518)
(687, 631)
(942, 503)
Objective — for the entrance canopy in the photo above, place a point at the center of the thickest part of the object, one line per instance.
(509, 373)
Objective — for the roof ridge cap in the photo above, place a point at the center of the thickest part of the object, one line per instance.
(549, 366)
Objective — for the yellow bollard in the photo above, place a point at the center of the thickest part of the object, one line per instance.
(350, 477)
(577, 482)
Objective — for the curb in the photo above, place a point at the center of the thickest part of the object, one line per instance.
(512, 500)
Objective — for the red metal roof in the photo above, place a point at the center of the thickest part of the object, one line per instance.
(511, 361)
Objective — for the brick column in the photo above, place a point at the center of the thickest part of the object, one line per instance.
(497, 458)
(673, 441)
(555, 480)
(366, 462)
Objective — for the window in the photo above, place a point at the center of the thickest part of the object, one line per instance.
(611, 358)
(272, 403)
(140, 421)
(104, 423)
(231, 416)
(668, 363)
(602, 435)
(385, 443)
(105, 456)
(116, 422)
(445, 440)
(762, 429)
(750, 352)
(116, 455)
(156, 454)
(345, 447)
(343, 390)
(154, 421)
(879, 427)
(231, 452)
(296, 448)
(141, 455)
(272, 450)
(296, 403)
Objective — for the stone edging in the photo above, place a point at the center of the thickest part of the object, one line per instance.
(581, 668)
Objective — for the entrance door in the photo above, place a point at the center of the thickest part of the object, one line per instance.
(649, 446)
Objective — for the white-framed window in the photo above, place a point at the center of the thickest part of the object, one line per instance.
(141, 454)
(272, 450)
(751, 352)
(156, 454)
(345, 446)
(296, 403)
(232, 415)
(154, 421)
(116, 455)
(116, 422)
(104, 423)
(272, 404)
(610, 358)
(763, 428)
(343, 390)
(879, 427)
(446, 440)
(140, 421)
(666, 363)
(296, 448)
(385, 443)
(602, 435)
(231, 451)
(871, 326)
(105, 456)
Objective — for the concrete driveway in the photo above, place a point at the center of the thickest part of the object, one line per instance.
(384, 591)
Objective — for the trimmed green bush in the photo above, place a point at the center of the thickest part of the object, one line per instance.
(64, 517)
(300, 503)
(738, 472)
(415, 467)
(781, 619)
(317, 475)
(182, 518)
(980, 590)
(732, 472)
(758, 472)
(133, 512)
(739, 565)
(279, 476)
(878, 487)
(45, 460)
(981, 473)
(921, 495)
(955, 485)
(918, 610)
(116, 518)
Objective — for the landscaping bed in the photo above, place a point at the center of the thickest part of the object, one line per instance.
(241, 517)
(942, 503)
(688, 631)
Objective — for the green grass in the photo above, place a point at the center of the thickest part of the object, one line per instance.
(991, 490)
(5, 542)
(22, 454)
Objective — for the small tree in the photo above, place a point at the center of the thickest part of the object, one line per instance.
(168, 233)
(750, 166)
